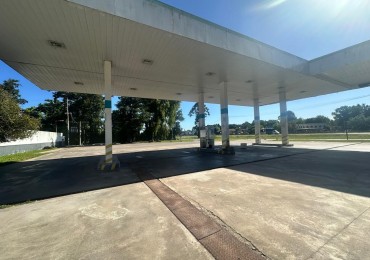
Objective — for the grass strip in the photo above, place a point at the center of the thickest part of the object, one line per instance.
(19, 157)
(4, 206)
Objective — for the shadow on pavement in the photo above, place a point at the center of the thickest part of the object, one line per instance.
(345, 171)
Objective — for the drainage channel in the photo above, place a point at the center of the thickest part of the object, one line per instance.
(217, 240)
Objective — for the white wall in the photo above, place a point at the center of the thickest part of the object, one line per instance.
(38, 137)
(37, 141)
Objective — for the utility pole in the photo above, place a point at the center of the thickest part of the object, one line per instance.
(67, 124)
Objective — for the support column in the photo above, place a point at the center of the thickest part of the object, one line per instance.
(202, 121)
(79, 133)
(67, 123)
(108, 111)
(225, 119)
(283, 118)
(108, 162)
(257, 125)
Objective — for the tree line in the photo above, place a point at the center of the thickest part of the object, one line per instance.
(345, 118)
(140, 119)
(135, 119)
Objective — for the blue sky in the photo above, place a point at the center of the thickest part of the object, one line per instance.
(306, 28)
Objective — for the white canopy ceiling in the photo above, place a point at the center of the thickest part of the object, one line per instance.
(184, 54)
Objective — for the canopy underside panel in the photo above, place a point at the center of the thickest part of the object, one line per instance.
(175, 68)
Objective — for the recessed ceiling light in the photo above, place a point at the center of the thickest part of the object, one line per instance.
(179, 94)
(210, 73)
(133, 89)
(56, 44)
(78, 83)
(147, 61)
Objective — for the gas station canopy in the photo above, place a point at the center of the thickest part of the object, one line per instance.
(158, 51)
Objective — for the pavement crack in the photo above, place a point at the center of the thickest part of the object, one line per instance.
(336, 235)
(225, 226)
(210, 234)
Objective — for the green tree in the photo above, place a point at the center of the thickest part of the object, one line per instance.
(84, 109)
(359, 123)
(272, 124)
(248, 127)
(87, 109)
(14, 123)
(275, 124)
(195, 111)
(216, 128)
(177, 128)
(11, 86)
(51, 114)
(300, 120)
(318, 119)
(291, 117)
(161, 119)
(146, 119)
(128, 119)
(352, 117)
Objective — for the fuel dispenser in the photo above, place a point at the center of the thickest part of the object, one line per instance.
(210, 137)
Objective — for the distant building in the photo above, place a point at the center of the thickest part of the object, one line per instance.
(269, 131)
(312, 127)
(237, 131)
(232, 131)
(188, 133)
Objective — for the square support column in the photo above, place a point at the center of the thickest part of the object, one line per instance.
(108, 161)
(283, 118)
(202, 121)
(257, 125)
(226, 149)
(108, 111)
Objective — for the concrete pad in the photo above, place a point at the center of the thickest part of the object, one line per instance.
(127, 222)
(309, 201)
(316, 145)
(351, 243)
(218, 241)
(358, 147)
(297, 207)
